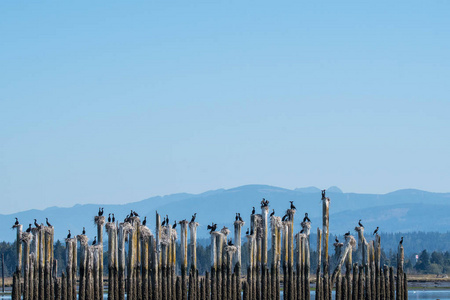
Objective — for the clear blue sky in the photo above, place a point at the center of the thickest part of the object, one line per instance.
(113, 102)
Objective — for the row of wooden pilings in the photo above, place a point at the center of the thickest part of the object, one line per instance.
(142, 265)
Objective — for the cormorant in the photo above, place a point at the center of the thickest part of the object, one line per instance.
(347, 234)
(167, 220)
(359, 223)
(253, 210)
(401, 241)
(113, 218)
(305, 219)
(174, 224)
(36, 224)
(301, 231)
(336, 239)
(145, 221)
(164, 222)
(292, 205)
(193, 217)
(273, 212)
(48, 224)
(236, 218)
(323, 194)
(136, 214)
(247, 232)
(212, 227)
(94, 241)
(131, 213)
(239, 216)
(69, 235)
(230, 243)
(251, 232)
(284, 217)
(29, 229)
(17, 222)
(376, 230)
(84, 231)
(100, 211)
(109, 218)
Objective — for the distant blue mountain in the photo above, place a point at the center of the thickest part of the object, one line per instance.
(403, 210)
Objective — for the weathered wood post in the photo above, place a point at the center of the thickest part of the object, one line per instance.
(275, 225)
(224, 263)
(367, 270)
(348, 273)
(230, 251)
(349, 243)
(133, 249)
(48, 239)
(355, 282)
(83, 239)
(96, 273)
(319, 287)
(392, 283)
(325, 236)
(184, 256)
(69, 262)
(41, 261)
(35, 247)
(145, 243)
(291, 213)
(306, 226)
(100, 222)
(400, 276)
(25, 238)
(300, 264)
(18, 247)
(124, 229)
(285, 261)
(251, 256)
(155, 269)
(111, 231)
(377, 250)
(238, 256)
(173, 264)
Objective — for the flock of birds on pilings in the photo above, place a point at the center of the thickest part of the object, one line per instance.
(143, 265)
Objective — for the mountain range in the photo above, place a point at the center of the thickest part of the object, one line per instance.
(400, 211)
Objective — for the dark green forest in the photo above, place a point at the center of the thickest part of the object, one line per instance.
(432, 249)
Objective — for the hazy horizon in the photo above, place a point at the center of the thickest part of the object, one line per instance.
(119, 102)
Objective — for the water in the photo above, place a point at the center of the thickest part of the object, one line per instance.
(412, 295)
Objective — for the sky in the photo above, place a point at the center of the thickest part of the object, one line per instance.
(115, 102)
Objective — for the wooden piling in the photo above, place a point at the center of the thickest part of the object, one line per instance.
(319, 287)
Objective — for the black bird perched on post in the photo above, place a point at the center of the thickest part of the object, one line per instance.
(239, 216)
(29, 229)
(167, 220)
(273, 212)
(94, 241)
(230, 243)
(359, 223)
(48, 223)
(17, 222)
(109, 218)
(69, 235)
(306, 218)
(247, 232)
(193, 217)
(136, 214)
(336, 239)
(145, 221)
(174, 224)
(301, 231)
(253, 210)
(323, 194)
(376, 230)
(212, 227)
(284, 217)
(347, 234)
(251, 231)
(84, 231)
(292, 205)
(36, 224)
(163, 222)
(401, 241)
(236, 218)
(113, 218)
(100, 211)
